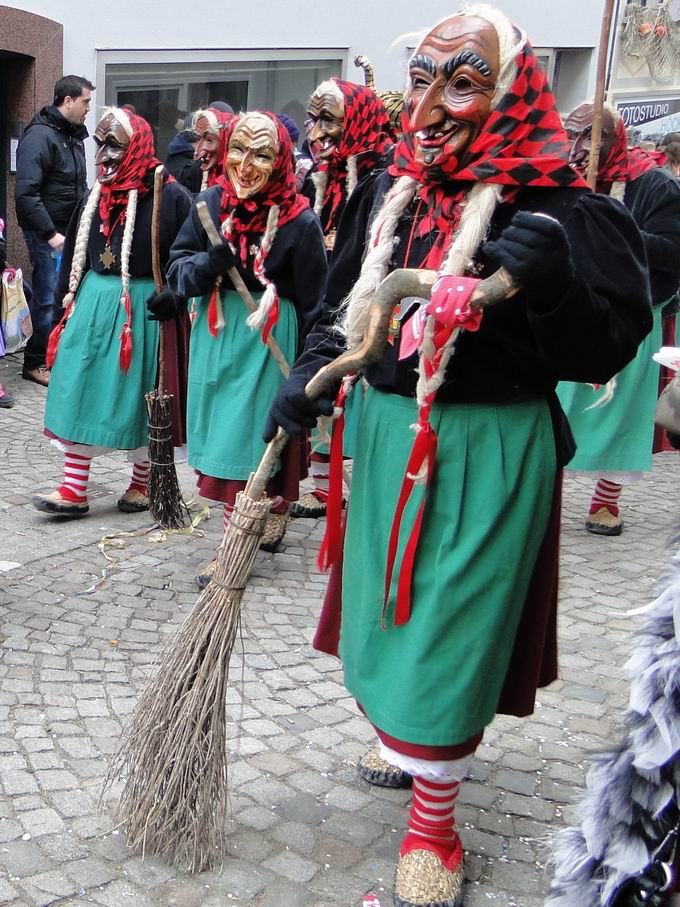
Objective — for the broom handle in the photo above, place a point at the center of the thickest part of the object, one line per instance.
(156, 267)
(239, 285)
(398, 285)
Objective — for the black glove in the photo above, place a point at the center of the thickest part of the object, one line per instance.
(162, 306)
(535, 251)
(293, 410)
(220, 259)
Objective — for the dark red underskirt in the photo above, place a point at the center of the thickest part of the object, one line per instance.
(176, 346)
(428, 753)
(533, 662)
(285, 484)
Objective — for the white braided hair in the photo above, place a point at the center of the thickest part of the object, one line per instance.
(80, 248)
(258, 318)
(126, 245)
(477, 211)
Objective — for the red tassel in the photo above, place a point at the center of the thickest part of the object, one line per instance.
(331, 546)
(424, 449)
(272, 319)
(215, 317)
(55, 337)
(125, 354)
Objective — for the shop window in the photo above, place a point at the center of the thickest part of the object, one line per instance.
(165, 91)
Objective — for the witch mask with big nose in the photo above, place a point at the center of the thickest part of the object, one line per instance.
(112, 139)
(451, 84)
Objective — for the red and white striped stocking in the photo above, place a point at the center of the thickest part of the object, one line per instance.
(606, 494)
(76, 477)
(431, 824)
(140, 477)
(319, 469)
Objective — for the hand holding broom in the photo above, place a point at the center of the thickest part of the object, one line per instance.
(174, 749)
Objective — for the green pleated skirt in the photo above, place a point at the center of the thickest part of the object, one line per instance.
(233, 379)
(437, 679)
(617, 437)
(89, 399)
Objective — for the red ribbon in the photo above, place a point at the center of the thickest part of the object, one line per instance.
(214, 312)
(125, 354)
(450, 308)
(272, 319)
(423, 453)
(55, 337)
(331, 546)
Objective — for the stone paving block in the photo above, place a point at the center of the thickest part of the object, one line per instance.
(239, 878)
(282, 893)
(22, 858)
(122, 893)
(48, 888)
(292, 866)
(39, 822)
(18, 782)
(8, 894)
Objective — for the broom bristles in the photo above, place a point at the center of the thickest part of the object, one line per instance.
(166, 504)
(173, 755)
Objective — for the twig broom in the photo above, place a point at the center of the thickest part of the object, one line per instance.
(165, 495)
(173, 755)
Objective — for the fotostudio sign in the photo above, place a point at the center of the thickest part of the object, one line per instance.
(637, 113)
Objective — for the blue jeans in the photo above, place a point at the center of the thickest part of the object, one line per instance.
(44, 308)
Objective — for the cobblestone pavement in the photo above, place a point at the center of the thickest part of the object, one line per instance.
(303, 830)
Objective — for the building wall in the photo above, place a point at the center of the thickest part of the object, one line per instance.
(362, 27)
(30, 64)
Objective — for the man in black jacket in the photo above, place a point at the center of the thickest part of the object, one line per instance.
(51, 180)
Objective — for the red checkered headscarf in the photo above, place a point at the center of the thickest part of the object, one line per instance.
(139, 158)
(218, 120)
(622, 165)
(522, 143)
(366, 128)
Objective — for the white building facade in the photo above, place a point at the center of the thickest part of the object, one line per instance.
(169, 58)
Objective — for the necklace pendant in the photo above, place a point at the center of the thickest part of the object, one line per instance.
(107, 258)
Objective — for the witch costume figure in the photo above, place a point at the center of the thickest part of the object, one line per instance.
(615, 441)
(448, 616)
(349, 137)
(104, 352)
(274, 240)
(211, 146)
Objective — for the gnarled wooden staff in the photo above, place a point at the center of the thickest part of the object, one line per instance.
(174, 753)
(165, 495)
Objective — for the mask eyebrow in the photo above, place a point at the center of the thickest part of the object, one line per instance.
(422, 61)
(468, 57)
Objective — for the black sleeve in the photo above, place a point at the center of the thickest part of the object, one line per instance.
(34, 158)
(310, 269)
(661, 227)
(176, 208)
(593, 330)
(67, 252)
(324, 342)
(188, 272)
